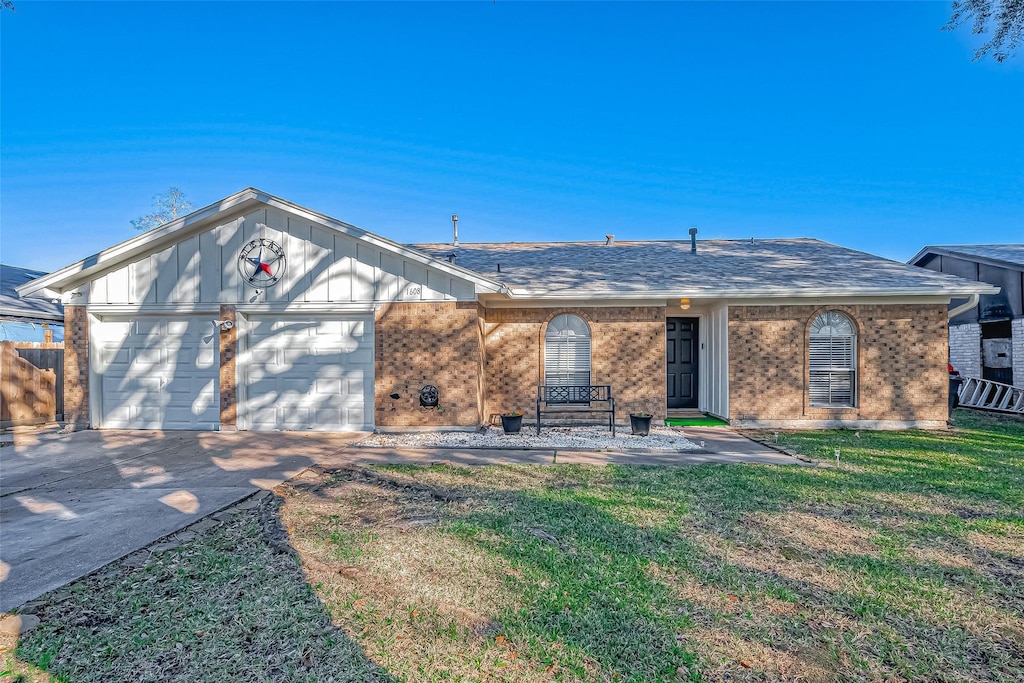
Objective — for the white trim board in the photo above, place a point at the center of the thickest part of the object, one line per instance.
(238, 204)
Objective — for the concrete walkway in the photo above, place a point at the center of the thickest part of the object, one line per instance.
(72, 503)
(720, 445)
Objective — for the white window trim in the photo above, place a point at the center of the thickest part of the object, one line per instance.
(826, 375)
(569, 361)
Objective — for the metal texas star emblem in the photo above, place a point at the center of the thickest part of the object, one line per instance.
(262, 262)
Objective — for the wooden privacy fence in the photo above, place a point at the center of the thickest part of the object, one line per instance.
(31, 383)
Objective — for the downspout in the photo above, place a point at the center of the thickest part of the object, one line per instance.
(963, 308)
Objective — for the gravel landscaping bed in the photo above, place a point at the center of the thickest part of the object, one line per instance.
(568, 438)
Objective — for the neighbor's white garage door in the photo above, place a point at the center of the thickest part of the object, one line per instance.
(157, 372)
(307, 373)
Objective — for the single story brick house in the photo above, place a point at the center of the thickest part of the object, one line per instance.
(255, 313)
(986, 336)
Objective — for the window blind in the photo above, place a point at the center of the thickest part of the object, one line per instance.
(833, 361)
(567, 351)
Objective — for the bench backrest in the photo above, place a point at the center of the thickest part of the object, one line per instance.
(576, 393)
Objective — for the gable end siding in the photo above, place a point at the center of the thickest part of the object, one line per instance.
(323, 266)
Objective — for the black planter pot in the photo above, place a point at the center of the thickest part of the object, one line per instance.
(512, 423)
(641, 424)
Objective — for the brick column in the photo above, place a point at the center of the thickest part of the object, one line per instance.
(965, 348)
(76, 367)
(1017, 351)
(228, 377)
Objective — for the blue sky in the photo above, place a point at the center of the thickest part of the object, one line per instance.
(858, 123)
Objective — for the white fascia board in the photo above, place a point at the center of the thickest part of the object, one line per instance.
(704, 304)
(57, 281)
(294, 308)
(280, 308)
(795, 292)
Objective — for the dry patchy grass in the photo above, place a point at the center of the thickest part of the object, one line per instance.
(904, 562)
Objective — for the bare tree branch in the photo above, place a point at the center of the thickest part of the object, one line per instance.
(168, 206)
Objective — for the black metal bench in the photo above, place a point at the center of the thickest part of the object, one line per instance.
(576, 399)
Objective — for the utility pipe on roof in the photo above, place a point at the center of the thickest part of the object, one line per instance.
(963, 308)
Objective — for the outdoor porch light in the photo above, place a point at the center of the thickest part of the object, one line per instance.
(684, 303)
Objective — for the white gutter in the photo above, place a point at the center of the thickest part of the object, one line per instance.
(980, 288)
(963, 308)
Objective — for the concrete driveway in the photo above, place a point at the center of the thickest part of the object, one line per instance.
(71, 503)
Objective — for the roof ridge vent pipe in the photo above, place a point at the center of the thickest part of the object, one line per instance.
(608, 240)
(455, 229)
(693, 240)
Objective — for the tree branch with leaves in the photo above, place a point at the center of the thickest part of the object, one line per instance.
(1001, 20)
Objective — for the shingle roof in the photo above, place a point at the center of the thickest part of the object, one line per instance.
(1010, 254)
(12, 305)
(769, 267)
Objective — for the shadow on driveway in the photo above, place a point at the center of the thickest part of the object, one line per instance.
(71, 503)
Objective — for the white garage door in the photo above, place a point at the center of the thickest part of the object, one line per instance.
(157, 372)
(307, 373)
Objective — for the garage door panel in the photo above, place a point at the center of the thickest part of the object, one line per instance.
(296, 418)
(328, 416)
(115, 356)
(157, 372)
(190, 388)
(179, 327)
(362, 355)
(149, 358)
(293, 389)
(308, 374)
(290, 357)
(150, 417)
(206, 359)
(328, 386)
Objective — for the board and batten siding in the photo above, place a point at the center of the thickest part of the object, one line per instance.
(323, 266)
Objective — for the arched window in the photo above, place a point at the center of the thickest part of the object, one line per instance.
(567, 351)
(833, 361)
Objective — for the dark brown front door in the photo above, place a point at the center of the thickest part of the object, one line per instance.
(681, 367)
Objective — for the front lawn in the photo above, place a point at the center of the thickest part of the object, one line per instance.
(903, 562)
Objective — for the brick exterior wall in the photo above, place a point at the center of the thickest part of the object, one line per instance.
(228, 376)
(76, 366)
(1017, 351)
(901, 370)
(965, 349)
(627, 352)
(428, 343)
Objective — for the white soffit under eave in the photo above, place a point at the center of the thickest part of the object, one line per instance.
(208, 216)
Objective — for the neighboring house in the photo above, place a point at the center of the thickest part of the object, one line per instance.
(255, 313)
(27, 319)
(987, 339)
